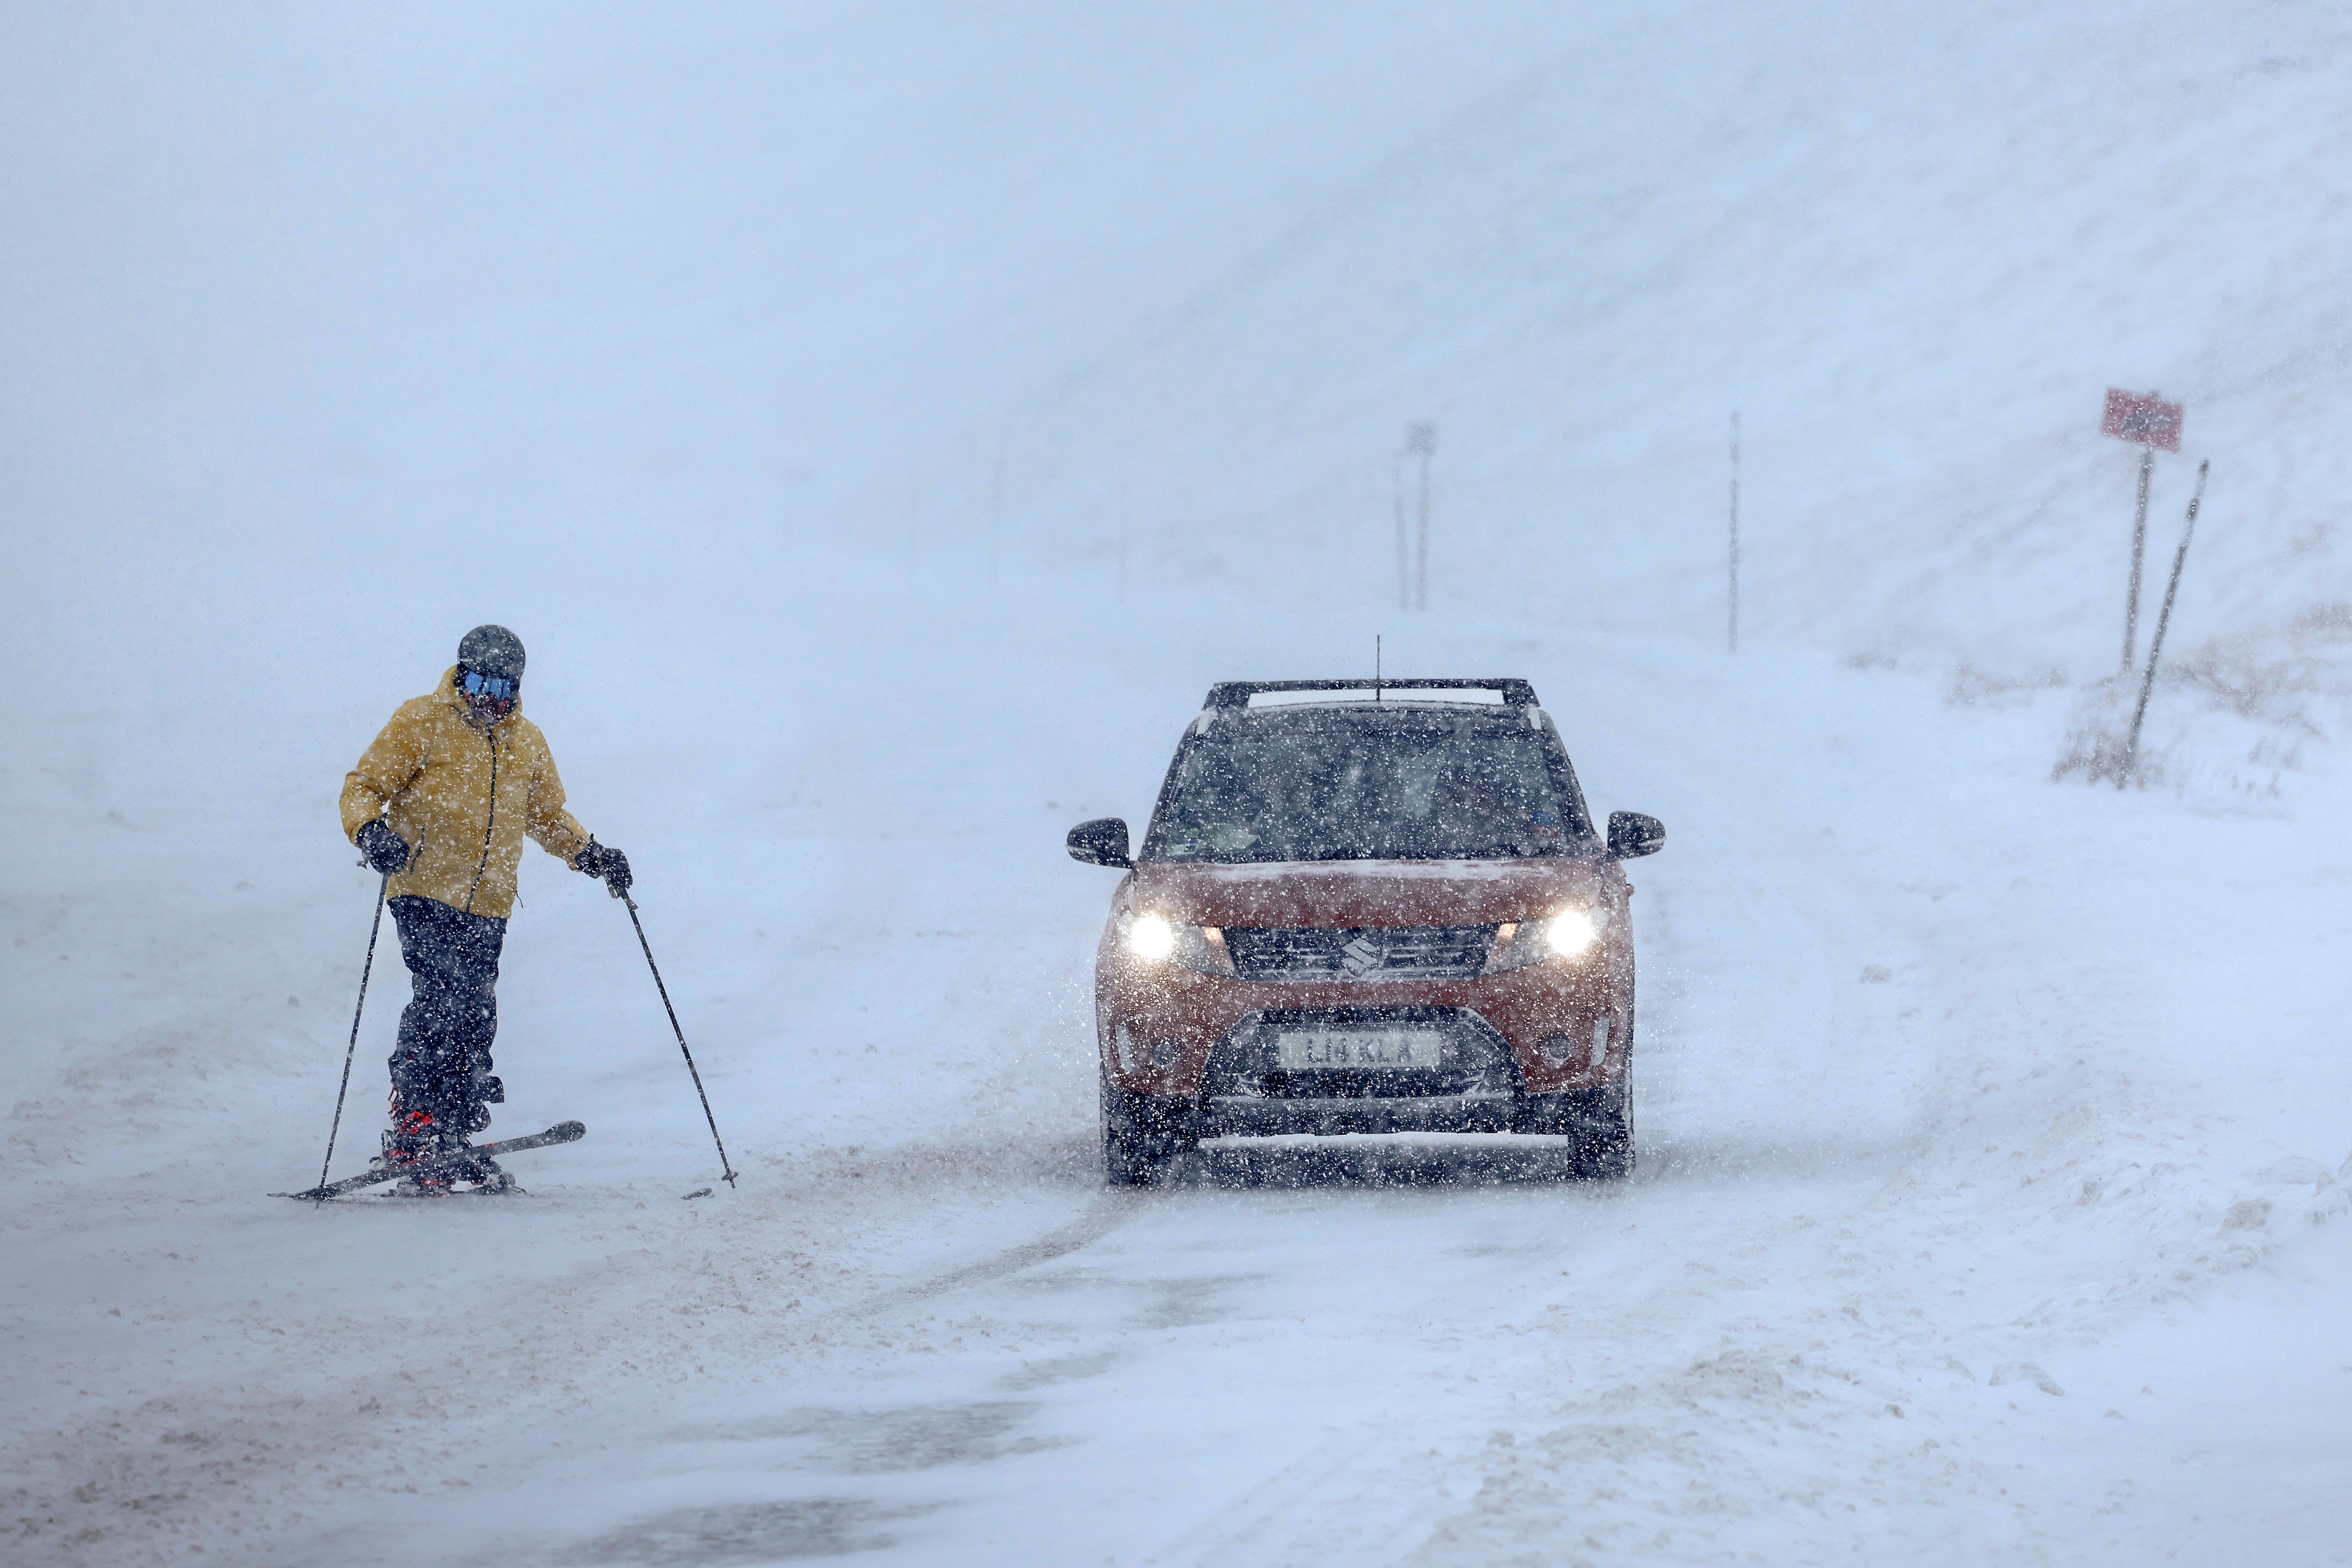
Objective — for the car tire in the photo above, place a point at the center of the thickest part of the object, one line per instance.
(1607, 1152)
(1142, 1134)
(1600, 1121)
(1605, 1147)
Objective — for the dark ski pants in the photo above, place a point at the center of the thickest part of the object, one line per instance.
(441, 1082)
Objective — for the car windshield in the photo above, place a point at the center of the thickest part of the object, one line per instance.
(1308, 791)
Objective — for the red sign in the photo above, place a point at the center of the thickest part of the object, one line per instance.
(2142, 417)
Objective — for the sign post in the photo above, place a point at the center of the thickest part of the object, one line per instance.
(2155, 645)
(2147, 419)
(1404, 568)
(1421, 441)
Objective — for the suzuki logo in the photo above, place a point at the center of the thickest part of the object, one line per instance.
(1362, 955)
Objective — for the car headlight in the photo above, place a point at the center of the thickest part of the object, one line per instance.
(1150, 937)
(1567, 933)
(1156, 939)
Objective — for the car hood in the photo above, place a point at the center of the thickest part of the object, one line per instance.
(1368, 893)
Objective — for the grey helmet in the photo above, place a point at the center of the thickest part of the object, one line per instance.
(491, 651)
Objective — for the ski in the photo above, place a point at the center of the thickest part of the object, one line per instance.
(561, 1133)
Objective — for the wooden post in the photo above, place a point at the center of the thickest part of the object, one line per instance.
(2163, 620)
(2139, 548)
(2147, 419)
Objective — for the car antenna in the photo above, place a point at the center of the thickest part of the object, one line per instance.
(1376, 667)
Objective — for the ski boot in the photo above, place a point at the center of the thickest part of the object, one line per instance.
(484, 1173)
(487, 1176)
(414, 1140)
(436, 1185)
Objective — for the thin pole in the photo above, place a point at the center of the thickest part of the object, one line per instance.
(351, 1049)
(1420, 593)
(2139, 548)
(1734, 530)
(2163, 620)
(723, 1165)
(1404, 570)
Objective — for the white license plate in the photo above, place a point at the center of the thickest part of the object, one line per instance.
(1297, 1050)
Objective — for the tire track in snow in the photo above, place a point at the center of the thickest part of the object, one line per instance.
(1106, 1213)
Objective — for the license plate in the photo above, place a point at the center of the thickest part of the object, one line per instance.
(1309, 1049)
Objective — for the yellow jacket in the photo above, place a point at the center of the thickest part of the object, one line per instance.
(463, 794)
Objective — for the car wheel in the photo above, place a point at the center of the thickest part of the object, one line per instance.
(1605, 1146)
(1141, 1135)
(1606, 1152)
(1600, 1121)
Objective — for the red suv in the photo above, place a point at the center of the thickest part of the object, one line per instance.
(1367, 915)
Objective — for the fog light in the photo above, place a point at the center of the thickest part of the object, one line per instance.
(1559, 1049)
(1165, 1052)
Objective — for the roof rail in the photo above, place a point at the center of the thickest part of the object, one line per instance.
(1237, 693)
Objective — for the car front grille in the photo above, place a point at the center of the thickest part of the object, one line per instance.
(1359, 953)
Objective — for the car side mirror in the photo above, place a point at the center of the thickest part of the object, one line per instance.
(1630, 835)
(1102, 842)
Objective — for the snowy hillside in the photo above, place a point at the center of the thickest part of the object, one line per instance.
(882, 425)
(1911, 243)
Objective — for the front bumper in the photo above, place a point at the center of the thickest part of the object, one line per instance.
(1550, 1029)
(1244, 1089)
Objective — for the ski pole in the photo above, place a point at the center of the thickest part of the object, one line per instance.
(367, 969)
(726, 1169)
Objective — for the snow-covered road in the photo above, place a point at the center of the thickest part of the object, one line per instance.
(1984, 1127)
(882, 423)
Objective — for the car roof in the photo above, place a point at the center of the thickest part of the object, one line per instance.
(1515, 692)
(1482, 717)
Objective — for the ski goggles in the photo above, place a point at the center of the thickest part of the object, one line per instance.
(477, 684)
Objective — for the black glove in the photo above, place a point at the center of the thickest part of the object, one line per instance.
(602, 860)
(384, 849)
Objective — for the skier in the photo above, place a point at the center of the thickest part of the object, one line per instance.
(440, 804)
